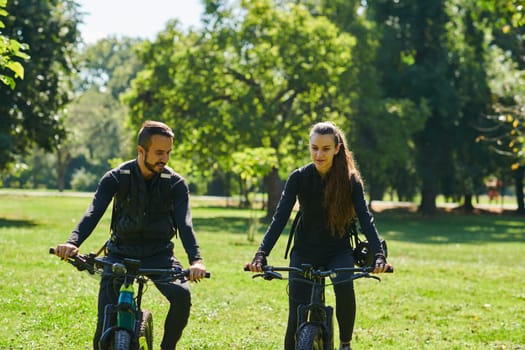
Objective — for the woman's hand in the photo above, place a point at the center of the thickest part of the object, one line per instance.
(381, 265)
(259, 260)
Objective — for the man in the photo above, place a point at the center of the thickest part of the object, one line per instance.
(151, 203)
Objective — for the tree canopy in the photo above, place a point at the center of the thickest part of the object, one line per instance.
(29, 114)
(10, 51)
(428, 93)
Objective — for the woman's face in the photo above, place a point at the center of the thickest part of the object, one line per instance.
(322, 151)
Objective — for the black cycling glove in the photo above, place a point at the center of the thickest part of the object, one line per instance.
(260, 258)
(380, 259)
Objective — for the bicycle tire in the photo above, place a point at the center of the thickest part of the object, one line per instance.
(122, 340)
(309, 337)
(146, 331)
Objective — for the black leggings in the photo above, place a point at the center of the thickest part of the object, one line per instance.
(345, 304)
(177, 293)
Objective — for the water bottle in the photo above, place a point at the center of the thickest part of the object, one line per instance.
(126, 308)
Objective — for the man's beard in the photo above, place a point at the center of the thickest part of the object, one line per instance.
(151, 166)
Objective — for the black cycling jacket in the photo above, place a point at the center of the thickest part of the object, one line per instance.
(312, 238)
(106, 190)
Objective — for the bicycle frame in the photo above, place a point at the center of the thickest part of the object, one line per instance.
(315, 320)
(127, 313)
(126, 320)
(317, 312)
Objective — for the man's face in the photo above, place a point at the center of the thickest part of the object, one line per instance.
(155, 158)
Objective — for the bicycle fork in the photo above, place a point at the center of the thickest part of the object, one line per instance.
(319, 313)
(123, 315)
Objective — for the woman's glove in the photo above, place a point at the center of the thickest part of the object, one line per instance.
(260, 258)
(381, 265)
(380, 259)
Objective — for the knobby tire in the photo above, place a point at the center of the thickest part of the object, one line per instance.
(146, 331)
(122, 340)
(309, 337)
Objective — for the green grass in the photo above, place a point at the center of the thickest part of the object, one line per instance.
(458, 283)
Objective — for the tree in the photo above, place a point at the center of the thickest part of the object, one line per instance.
(10, 51)
(382, 127)
(110, 65)
(469, 59)
(504, 129)
(29, 115)
(259, 78)
(95, 122)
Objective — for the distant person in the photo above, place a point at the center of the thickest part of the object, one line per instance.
(151, 203)
(330, 194)
(493, 189)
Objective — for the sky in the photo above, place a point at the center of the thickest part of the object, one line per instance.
(134, 18)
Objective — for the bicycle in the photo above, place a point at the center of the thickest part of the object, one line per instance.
(315, 320)
(126, 325)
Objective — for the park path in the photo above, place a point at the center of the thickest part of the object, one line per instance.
(376, 205)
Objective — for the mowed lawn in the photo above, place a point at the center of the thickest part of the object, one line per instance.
(458, 283)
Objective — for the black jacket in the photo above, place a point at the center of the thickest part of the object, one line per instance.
(153, 232)
(312, 238)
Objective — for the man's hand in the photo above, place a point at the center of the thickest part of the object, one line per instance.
(66, 250)
(197, 271)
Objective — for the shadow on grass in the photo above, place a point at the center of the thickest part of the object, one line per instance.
(16, 223)
(401, 224)
(230, 224)
(446, 227)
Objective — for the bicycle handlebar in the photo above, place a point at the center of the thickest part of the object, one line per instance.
(272, 272)
(93, 264)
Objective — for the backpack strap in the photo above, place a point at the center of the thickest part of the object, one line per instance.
(354, 234)
(123, 175)
(292, 232)
(295, 220)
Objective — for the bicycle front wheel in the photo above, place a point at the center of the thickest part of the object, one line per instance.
(309, 337)
(146, 331)
(122, 340)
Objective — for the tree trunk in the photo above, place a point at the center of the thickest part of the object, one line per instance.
(518, 179)
(428, 200)
(63, 158)
(467, 205)
(274, 187)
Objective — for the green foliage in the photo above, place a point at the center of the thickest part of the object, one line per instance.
(30, 115)
(415, 85)
(263, 77)
(109, 65)
(84, 181)
(10, 51)
(254, 163)
(438, 298)
(439, 54)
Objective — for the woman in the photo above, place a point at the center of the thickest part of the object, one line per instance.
(330, 194)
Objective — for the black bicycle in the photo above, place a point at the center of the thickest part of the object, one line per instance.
(126, 325)
(315, 320)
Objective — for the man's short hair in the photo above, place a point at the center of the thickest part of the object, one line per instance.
(150, 128)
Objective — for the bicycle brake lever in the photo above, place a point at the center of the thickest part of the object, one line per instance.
(270, 275)
(367, 275)
(375, 277)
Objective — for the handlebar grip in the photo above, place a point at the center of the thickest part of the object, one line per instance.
(51, 250)
(390, 270)
(207, 275)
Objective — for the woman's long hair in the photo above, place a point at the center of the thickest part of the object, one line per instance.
(337, 199)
